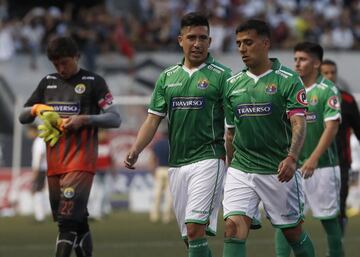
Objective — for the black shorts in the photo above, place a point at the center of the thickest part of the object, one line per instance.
(69, 194)
(39, 182)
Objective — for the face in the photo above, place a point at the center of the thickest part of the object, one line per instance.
(66, 66)
(253, 48)
(305, 64)
(329, 72)
(195, 42)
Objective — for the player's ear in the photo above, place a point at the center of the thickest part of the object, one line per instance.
(317, 64)
(210, 41)
(180, 39)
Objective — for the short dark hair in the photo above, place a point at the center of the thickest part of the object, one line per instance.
(194, 19)
(311, 48)
(329, 62)
(60, 47)
(261, 27)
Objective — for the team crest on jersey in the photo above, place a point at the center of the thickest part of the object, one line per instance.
(313, 100)
(69, 192)
(271, 89)
(311, 117)
(301, 97)
(80, 88)
(203, 84)
(334, 102)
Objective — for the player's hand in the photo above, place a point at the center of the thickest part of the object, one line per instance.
(286, 169)
(307, 170)
(75, 122)
(53, 118)
(38, 109)
(49, 133)
(131, 159)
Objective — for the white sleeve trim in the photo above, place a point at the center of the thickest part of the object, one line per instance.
(336, 117)
(228, 125)
(157, 113)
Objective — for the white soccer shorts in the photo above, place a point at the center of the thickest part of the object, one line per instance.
(322, 192)
(196, 191)
(283, 202)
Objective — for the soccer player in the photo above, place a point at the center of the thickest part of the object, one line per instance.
(264, 108)
(318, 158)
(350, 120)
(83, 98)
(190, 93)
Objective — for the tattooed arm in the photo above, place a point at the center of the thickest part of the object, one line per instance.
(288, 166)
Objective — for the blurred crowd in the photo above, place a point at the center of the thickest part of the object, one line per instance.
(141, 25)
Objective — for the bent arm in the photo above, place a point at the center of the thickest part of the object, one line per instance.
(327, 137)
(298, 127)
(25, 116)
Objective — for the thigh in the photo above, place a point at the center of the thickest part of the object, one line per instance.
(196, 190)
(240, 197)
(322, 192)
(205, 184)
(54, 194)
(283, 202)
(75, 189)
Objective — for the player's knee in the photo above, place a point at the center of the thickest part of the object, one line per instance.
(230, 228)
(84, 246)
(195, 231)
(292, 234)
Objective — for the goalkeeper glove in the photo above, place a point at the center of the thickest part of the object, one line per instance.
(49, 133)
(52, 128)
(37, 109)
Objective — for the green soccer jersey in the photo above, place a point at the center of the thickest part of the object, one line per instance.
(258, 108)
(324, 105)
(193, 101)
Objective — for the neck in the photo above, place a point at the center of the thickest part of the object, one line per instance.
(310, 80)
(261, 68)
(192, 65)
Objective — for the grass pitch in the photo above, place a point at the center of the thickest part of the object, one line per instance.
(127, 234)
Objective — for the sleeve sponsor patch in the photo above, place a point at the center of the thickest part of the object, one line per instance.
(301, 97)
(334, 102)
(106, 101)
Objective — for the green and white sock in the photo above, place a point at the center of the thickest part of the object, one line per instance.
(199, 248)
(303, 247)
(234, 247)
(333, 233)
(282, 247)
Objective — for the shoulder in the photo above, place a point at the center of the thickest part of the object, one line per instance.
(328, 85)
(170, 70)
(346, 96)
(286, 73)
(236, 78)
(86, 75)
(218, 68)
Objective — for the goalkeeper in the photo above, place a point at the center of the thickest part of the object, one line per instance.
(72, 103)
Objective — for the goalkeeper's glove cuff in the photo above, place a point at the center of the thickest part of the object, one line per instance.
(37, 109)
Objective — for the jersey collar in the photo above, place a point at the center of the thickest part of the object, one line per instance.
(275, 66)
(208, 60)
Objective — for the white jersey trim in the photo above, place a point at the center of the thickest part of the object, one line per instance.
(336, 117)
(192, 71)
(228, 125)
(218, 67)
(157, 113)
(256, 78)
